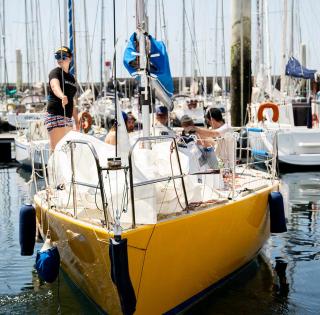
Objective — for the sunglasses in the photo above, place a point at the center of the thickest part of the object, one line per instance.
(60, 56)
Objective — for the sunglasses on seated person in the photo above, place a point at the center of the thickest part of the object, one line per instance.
(59, 56)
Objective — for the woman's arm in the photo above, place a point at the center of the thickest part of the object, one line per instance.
(55, 86)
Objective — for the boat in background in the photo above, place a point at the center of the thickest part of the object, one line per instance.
(286, 117)
(190, 106)
(296, 145)
(30, 108)
(32, 145)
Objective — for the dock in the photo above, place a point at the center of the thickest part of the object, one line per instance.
(7, 156)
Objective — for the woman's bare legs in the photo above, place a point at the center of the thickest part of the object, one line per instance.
(56, 134)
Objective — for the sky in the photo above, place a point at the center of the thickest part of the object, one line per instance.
(208, 34)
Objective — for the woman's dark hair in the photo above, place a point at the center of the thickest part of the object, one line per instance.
(214, 113)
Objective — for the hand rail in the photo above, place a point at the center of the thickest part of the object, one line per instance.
(158, 180)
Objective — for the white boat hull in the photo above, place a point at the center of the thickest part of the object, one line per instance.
(299, 146)
(23, 120)
(295, 146)
(25, 150)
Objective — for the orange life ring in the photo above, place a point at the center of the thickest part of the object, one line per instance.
(273, 106)
(85, 121)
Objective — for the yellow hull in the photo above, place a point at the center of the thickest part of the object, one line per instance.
(169, 262)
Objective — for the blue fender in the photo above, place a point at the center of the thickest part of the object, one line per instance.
(118, 253)
(48, 264)
(27, 229)
(277, 215)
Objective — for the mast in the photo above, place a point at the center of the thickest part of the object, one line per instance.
(141, 27)
(102, 48)
(72, 42)
(164, 27)
(65, 21)
(32, 49)
(1, 70)
(257, 61)
(214, 80)
(27, 42)
(291, 48)
(37, 39)
(155, 19)
(115, 75)
(284, 46)
(262, 27)
(42, 52)
(4, 44)
(291, 52)
(87, 45)
(205, 72)
(183, 84)
(193, 38)
(268, 53)
(223, 53)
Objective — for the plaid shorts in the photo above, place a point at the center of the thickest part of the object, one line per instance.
(52, 121)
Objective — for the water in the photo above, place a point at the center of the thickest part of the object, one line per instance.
(21, 291)
(284, 281)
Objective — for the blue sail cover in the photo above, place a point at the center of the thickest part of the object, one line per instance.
(159, 65)
(295, 69)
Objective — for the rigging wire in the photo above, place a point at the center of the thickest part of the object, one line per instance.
(194, 44)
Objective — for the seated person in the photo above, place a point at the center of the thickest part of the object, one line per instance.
(131, 122)
(161, 122)
(206, 146)
(111, 136)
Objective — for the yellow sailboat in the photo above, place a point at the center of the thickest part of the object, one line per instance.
(173, 256)
(169, 262)
(154, 228)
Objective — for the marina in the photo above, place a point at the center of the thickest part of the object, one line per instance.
(159, 163)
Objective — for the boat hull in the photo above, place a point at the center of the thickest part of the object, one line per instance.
(23, 120)
(169, 262)
(24, 149)
(299, 146)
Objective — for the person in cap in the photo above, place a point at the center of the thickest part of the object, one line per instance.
(225, 146)
(206, 146)
(161, 122)
(62, 89)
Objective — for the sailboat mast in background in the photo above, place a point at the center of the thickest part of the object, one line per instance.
(72, 41)
(141, 26)
(284, 47)
(102, 50)
(4, 53)
(183, 84)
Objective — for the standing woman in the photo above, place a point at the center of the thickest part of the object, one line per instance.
(62, 89)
